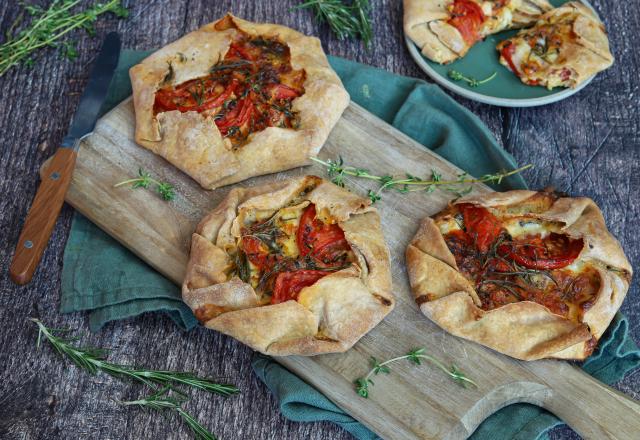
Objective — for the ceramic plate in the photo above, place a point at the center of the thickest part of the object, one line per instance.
(481, 62)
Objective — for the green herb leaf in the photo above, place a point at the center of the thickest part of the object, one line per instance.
(457, 76)
(345, 19)
(165, 190)
(48, 27)
(337, 170)
(416, 356)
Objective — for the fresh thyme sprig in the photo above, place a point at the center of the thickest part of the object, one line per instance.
(93, 360)
(48, 27)
(473, 82)
(164, 189)
(337, 170)
(347, 19)
(416, 356)
(162, 401)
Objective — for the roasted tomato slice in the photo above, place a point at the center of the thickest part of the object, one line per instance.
(239, 116)
(507, 53)
(552, 252)
(467, 17)
(195, 95)
(280, 91)
(289, 284)
(324, 242)
(482, 226)
(256, 252)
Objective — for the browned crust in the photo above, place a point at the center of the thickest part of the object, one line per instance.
(524, 330)
(425, 23)
(194, 144)
(329, 316)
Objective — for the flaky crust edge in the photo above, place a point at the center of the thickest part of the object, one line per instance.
(347, 304)
(524, 330)
(194, 144)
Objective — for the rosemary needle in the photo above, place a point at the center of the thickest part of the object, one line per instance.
(345, 19)
(161, 401)
(93, 360)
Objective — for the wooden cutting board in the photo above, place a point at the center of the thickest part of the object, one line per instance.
(413, 401)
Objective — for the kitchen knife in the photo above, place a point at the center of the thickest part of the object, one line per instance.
(56, 179)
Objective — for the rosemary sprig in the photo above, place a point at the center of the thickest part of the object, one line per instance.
(345, 19)
(337, 170)
(473, 82)
(164, 189)
(162, 401)
(416, 356)
(93, 360)
(48, 27)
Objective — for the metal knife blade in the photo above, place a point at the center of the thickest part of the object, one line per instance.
(86, 115)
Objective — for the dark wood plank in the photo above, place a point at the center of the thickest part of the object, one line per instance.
(587, 145)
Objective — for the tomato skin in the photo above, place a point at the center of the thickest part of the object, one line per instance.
(507, 53)
(552, 252)
(319, 240)
(481, 225)
(280, 91)
(256, 252)
(289, 284)
(467, 17)
(237, 117)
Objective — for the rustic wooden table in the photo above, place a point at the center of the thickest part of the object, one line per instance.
(586, 145)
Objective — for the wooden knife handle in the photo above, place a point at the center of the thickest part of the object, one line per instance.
(593, 409)
(43, 215)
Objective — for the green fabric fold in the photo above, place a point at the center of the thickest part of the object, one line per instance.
(111, 283)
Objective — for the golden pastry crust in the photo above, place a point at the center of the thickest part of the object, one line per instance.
(525, 330)
(567, 46)
(428, 24)
(193, 143)
(328, 316)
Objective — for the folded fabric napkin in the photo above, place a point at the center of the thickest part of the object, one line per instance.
(110, 282)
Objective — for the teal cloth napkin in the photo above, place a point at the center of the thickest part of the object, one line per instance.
(110, 282)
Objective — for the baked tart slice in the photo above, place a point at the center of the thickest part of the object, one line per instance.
(567, 46)
(445, 30)
(298, 267)
(529, 274)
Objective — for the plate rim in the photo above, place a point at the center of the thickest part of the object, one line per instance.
(487, 99)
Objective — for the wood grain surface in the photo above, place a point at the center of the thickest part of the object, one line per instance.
(587, 145)
(146, 225)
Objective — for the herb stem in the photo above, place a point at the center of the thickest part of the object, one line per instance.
(337, 170)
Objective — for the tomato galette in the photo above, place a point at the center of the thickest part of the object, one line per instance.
(530, 274)
(446, 29)
(296, 267)
(236, 99)
(566, 46)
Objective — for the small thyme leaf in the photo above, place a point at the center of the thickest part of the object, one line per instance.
(416, 356)
(337, 170)
(457, 76)
(165, 190)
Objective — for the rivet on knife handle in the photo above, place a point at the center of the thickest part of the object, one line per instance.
(42, 216)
